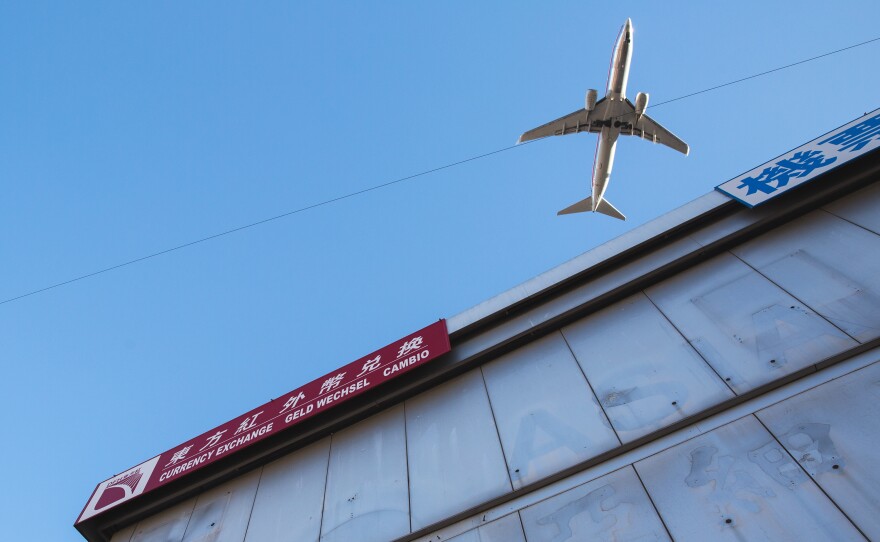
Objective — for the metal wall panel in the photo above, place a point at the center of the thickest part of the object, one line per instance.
(547, 415)
(289, 498)
(644, 372)
(455, 458)
(862, 208)
(123, 535)
(169, 525)
(367, 497)
(624, 242)
(221, 514)
(612, 507)
(737, 483)
(524, 321)
(833, 431)
(506, 529)
(746, 327)
(829, 264)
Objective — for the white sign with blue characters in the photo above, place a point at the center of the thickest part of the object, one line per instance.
(806, 162)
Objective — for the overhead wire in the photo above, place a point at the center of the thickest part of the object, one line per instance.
(780, 68)
(399, 180)
(259, 222)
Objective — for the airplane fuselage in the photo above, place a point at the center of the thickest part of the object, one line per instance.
(618, 74)
(609, 117)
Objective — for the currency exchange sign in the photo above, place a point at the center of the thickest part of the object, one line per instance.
(281, 414)
(806, 162)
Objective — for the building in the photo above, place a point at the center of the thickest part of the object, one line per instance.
(711, 375)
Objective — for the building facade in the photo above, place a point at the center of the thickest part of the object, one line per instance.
(711, 375)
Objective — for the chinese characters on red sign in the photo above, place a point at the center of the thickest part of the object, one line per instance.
(275, 416)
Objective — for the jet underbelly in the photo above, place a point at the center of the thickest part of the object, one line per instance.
(620, 59)
(609, 117)
(604, 161)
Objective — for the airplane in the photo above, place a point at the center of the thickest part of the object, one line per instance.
(610, 117)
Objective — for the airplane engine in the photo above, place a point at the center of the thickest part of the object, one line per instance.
(641, 103)
(591, 99)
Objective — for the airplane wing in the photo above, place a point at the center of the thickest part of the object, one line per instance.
(650, 129)
(579, 121)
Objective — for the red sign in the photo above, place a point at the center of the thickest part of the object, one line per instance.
(273, 417)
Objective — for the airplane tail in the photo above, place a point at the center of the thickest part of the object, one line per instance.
(607, 209)
(582, 206)
(587, 205)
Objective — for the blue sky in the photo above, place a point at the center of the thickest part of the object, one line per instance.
(128, 128)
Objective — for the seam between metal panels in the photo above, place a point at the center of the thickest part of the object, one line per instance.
(675, 327)
(408, 479)
(651, 499)
(590, 385)
(647, 439)
(856, 224)
(796, 298)
(522, 526)
(507, 464)
(326, 478)
(253, 503)
(129, 536)
(189, 519)
(810, 478)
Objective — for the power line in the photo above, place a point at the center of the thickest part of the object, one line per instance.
(259, 222)
(396, 181)
(799, 62)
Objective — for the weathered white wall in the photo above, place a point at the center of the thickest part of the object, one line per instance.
(799, 469)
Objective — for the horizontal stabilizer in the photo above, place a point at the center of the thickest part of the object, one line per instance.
(582, 206)
(586, 205)
(607, 209)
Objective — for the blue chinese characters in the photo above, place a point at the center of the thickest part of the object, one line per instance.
(855, 138)
(800, 165)
(806, 162)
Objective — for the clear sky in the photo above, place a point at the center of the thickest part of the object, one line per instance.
(130, 127)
